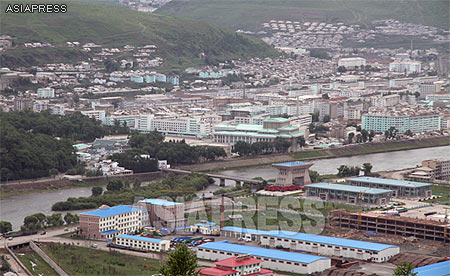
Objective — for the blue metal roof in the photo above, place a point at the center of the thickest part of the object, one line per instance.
(162, 202)
(392, 182)
(140, 238)
(437, 269)
(112, 211)
(261, 252)
(109, 232)
(293, 164)
(314, 238)
(347, 188)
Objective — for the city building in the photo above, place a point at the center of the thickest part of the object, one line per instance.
(181, 126)
(205, 228)
(142, 243)
(46, 92)
(243, 265)
(348, 193)
(163, 213)
(273, 259)
(293, 173)
(316, 244)
(22, 103)
(405, 66)
(415, 123)
(352, 62)
(399, 188)
(441, 167)
(352, 114)
(271, 129)
(108, 222)
(394, 225)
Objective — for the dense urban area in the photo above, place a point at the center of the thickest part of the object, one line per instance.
(147, 138)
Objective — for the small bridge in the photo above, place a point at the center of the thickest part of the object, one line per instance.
(221, 177)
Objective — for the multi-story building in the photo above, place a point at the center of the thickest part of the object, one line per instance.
(414, 123)
(352, 114)
(352, 62)
(22, 103)
(142, 243)
(405, 66)
(163, 213)
(293, 173)
(399, 188)
(108, 222)
(441, 167)
(271, 129)
(46, 92)
(348, 193)
(181, 126)
(316, 244)
(99, 115)
(273, 259)
(243, 265)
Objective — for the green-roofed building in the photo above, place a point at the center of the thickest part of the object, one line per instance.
(267, 132)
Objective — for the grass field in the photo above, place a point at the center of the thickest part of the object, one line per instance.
(41, 267)
(85, 261)
(250, 14)
(180, 41)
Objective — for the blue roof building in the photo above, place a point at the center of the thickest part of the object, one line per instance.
(399, 187)
(348, 193)
(273, 259)
(142, 243)
(111, 211)
(437, 269)
(317, 244)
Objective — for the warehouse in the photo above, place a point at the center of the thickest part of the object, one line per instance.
(274, 259)
(437, 269)
(399, 187)
(318, 244)
(142, 243)
(348, 193)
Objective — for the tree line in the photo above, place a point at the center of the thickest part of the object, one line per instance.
(279, 145)
(39, 144)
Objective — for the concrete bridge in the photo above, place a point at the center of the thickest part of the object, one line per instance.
(221, 177)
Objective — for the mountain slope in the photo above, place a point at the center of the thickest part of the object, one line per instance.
(250, 14)
(179, 40)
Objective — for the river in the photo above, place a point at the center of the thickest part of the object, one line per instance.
(16, 208)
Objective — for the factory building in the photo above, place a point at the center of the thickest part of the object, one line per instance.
(400, 188)
(142, 243)
(317, 244)
(348, 193)
(273, 259)
(243, 265)
(437, 269)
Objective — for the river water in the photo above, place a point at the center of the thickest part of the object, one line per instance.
(16, 208)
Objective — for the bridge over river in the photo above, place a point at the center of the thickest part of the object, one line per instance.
(221, 177)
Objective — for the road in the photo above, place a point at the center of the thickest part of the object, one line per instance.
(36, 237)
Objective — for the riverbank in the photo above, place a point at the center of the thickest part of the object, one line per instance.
(350, 150)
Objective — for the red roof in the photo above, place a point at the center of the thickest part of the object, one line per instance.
(263, 271)
(237, 261)
(214, 271)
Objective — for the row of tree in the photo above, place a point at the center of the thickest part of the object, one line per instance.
(361, 137)
(40, 221)
(279, 145)
(39, 144)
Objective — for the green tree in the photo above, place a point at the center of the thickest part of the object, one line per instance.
(404, 269)
(5, 227)
(71, 218)
(54, 172)
(181, 262)
(371, 135)
(54, 220)
(350, 137)
(367, 167)
(314, 176)
(114, 185)
(365, 135)
(341, 69)
(301, 141)
(96, 191)
(281, 145)
(242, 148)
(326, 118)
(409, 133)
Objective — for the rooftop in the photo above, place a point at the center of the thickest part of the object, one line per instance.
(391, 182)
(293, 164)
(112, 211)
(216, 271)
(162, 202)
(437, 269)
(237, 261)
(314, 238)
(348, 188)
(139, 238)
(261, 252)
